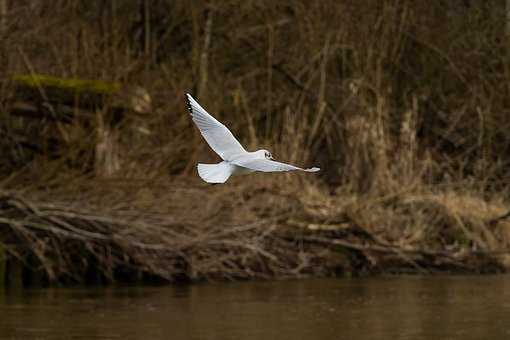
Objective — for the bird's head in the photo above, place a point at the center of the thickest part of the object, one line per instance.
(264, 154)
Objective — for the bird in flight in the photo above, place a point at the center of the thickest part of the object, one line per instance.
(236, 160)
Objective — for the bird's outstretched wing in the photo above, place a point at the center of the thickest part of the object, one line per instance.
(266, 165)
(219, 138)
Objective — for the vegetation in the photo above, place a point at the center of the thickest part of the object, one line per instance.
(403, 104)
(80, 86)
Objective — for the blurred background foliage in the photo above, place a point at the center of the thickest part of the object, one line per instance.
(377, 93)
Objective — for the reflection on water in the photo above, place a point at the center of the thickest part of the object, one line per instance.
(376, 308)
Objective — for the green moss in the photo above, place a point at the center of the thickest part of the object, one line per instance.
(78, 86)
(87, 94)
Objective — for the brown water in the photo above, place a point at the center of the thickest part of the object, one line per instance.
(375, 308)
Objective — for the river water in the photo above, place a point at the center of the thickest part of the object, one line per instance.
(455, 307)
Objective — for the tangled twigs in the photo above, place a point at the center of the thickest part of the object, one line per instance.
(68, 243)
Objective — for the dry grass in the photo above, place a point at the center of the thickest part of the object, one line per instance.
(363, 87)
(402, 104)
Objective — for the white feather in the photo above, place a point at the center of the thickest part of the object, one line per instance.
(219, 138)
(266, 165)
(215, 173)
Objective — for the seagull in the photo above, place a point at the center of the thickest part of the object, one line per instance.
(236, 160)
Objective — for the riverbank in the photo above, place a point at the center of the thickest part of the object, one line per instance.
(180, 230)
(97, 174)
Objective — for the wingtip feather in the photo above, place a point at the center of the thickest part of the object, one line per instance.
(188, 102)
(314, 169)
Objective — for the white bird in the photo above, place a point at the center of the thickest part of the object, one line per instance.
(236, 160)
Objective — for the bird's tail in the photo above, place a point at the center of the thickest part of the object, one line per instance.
(215, 173)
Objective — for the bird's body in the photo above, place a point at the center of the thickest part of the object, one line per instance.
(217, 173)
(220, 172)
(236, 160)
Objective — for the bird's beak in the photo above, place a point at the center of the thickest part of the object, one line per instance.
(271, 158)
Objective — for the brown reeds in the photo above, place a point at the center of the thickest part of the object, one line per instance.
(337, 79)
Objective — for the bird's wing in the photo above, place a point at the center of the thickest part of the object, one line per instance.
(219, 138)
(266, 165)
